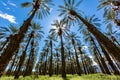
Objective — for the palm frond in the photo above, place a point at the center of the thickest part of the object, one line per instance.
(26, 4)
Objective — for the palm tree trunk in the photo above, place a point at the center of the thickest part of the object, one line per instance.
(109, 46)
(114, 68)
(15, 43)
(82, 60)
(101, 66)
(22, 58)
(50, 68)
(4, 44)
(85, 70)
(28, 71)
(78, 65)
(87, 67)
(100, 56)
(71, 63)
(10, 69)
(57, 72)
(63, 58)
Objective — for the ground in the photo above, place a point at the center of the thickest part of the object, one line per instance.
(69, 77)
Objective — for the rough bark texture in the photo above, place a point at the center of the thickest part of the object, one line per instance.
(50, 67)
(63, 58)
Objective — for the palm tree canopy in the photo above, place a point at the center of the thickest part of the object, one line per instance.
(38, 32)
(59, 28)
(7, 31)
(44, 9)
(68, 7)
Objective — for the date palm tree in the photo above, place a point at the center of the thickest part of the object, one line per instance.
(36, 29)
(61, 31)
(57, 55)
(6, 33)
(111, 11)
(74, 38)
(70, 9)
(22, 58)
(39, 7)
(68, 48)
(51, 39)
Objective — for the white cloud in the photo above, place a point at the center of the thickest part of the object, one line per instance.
(8, 17)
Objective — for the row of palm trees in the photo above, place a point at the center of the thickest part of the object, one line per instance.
(12, 45)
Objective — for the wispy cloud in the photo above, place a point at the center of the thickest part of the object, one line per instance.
(8, 17)
(4, 4)
(12, 4)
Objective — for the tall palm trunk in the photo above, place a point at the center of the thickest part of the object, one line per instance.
(100, 56)
(30, 62)
(57, 72)
(40, 66)
(82, 60)
(44, 65)
(5, 44)
(10, 69)
(101, 66)
(63, 58)
(27, 67)
(71, 63)
(15, 41)
(109, 46)
(87, 67)
(78, 64)
(114, 68)
(84, 66)
(113, 39)
(22, 58)
(50, 68)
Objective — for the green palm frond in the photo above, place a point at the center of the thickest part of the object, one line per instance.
(43, 10)
(65, 11)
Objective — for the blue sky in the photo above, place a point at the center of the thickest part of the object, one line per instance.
(11, 12)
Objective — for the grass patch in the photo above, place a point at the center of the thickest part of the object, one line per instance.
(69, 77)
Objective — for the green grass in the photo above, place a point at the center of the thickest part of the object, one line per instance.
(69, 77)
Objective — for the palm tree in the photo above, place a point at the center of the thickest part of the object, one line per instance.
(112, 35)
(111, 10)
(88, 35)
(68, 48)
(60, 30)
(41, 63)
(6, 33)
(39, 7)
(73, 37)
(22, 58)
(51, 39)
(82, 56)
(57, 55)
(70, 9)
(36, 37)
